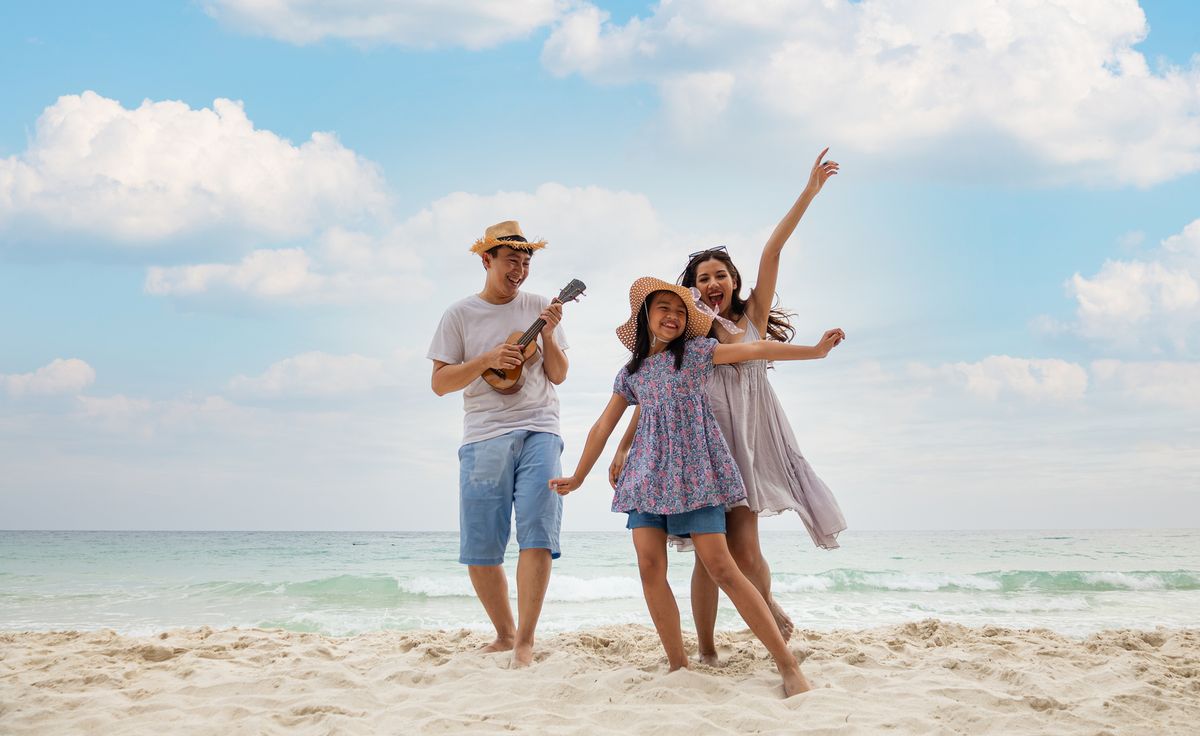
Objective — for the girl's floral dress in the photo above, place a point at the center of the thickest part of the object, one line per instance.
(678, 461)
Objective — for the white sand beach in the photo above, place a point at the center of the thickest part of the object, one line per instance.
(929, 677)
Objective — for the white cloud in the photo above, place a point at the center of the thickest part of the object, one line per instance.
(474, 24)
(594, 233)
(1169, 384)
(1059, 83)
(162, 169)
(340, 266)
(321, 374)
(59, 377)
(1144, 304)
(1003, 376)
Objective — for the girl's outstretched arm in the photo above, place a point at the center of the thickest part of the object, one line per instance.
(596, 439)
(758, 306)
(618, 461)
(775, 350)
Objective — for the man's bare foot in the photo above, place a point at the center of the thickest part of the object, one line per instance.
(709, 658)
(501, 644)
(782, 620)
(794, 683)
(522, 655)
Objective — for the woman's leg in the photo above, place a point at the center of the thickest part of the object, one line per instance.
(651, 546)
(741, 529)
(704, 612)
(714, 553)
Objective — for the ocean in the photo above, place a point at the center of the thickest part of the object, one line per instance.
(342, 583)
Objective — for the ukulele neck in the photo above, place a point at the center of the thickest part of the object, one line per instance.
(531, 334)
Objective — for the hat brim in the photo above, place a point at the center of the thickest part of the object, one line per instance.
(483, 245)
(698, 323)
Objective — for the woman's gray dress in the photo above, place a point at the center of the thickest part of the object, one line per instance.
(777, 476)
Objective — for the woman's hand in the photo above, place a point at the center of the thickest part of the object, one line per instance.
(821, 171)
(830, 340)
(563, 486)
(614, 468)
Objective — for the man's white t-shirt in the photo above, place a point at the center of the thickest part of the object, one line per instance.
(471, 327)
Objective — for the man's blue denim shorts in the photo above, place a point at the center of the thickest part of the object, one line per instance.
(500, 474)
(706, 520)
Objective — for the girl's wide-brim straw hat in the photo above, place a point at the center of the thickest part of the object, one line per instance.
(505, 233)
(698, 323)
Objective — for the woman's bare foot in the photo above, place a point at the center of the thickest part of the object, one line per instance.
(523, 655)
(794, 682)
(501, 644)
(709, 658)
(782, 620)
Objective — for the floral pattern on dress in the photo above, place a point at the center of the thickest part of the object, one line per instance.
(678, 461)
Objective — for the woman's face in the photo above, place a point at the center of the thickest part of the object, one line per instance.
(716, 286)
(666, 315)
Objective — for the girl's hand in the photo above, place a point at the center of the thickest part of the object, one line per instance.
(614, 468)
(563, 486)
(821, 171)
(830, 340)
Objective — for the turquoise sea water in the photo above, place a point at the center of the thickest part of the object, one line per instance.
(347, 582)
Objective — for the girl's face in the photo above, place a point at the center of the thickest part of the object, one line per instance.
(716, 285)
(666, 316)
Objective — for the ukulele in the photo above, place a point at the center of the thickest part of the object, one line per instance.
(509, 380)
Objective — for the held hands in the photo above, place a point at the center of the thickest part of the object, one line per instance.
(551, 315)
(505, 356)
(830, 340)
(821, 171)
(563, 486)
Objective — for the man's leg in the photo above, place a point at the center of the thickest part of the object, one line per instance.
(539, 519)
(486, 471)
(491, 585)
(533, 577)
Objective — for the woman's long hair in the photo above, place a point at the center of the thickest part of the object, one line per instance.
(641, 345)
(779, 321)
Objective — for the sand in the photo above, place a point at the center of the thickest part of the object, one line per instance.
(929, 677)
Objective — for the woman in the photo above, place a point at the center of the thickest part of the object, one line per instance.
(776, 475)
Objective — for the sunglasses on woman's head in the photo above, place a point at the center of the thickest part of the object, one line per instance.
(706, 251)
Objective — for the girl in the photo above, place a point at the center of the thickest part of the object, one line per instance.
(752, 421)
(680, 474)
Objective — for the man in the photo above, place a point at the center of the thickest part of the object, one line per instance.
(511, 442)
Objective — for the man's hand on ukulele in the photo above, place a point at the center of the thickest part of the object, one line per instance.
(552, 315)
(563, 486)
(504, 357)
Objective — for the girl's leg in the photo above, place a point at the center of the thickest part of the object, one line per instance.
(714, 553)
(704, 612)
(741, 529)
(651, 546)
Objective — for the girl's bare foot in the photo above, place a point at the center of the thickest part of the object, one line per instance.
(709, 658)
(673, 667)
(794, 682)
(501, 644)
(782, 620)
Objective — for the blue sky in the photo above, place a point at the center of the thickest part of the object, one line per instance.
(239, 309)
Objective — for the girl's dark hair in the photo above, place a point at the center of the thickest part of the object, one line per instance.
(641, 344)
(779, 321)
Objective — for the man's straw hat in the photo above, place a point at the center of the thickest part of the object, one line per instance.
(505, 233)
(698, 322)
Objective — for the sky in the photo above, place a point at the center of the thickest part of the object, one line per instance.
(228, 230)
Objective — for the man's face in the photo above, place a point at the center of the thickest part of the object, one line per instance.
(507, 269)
